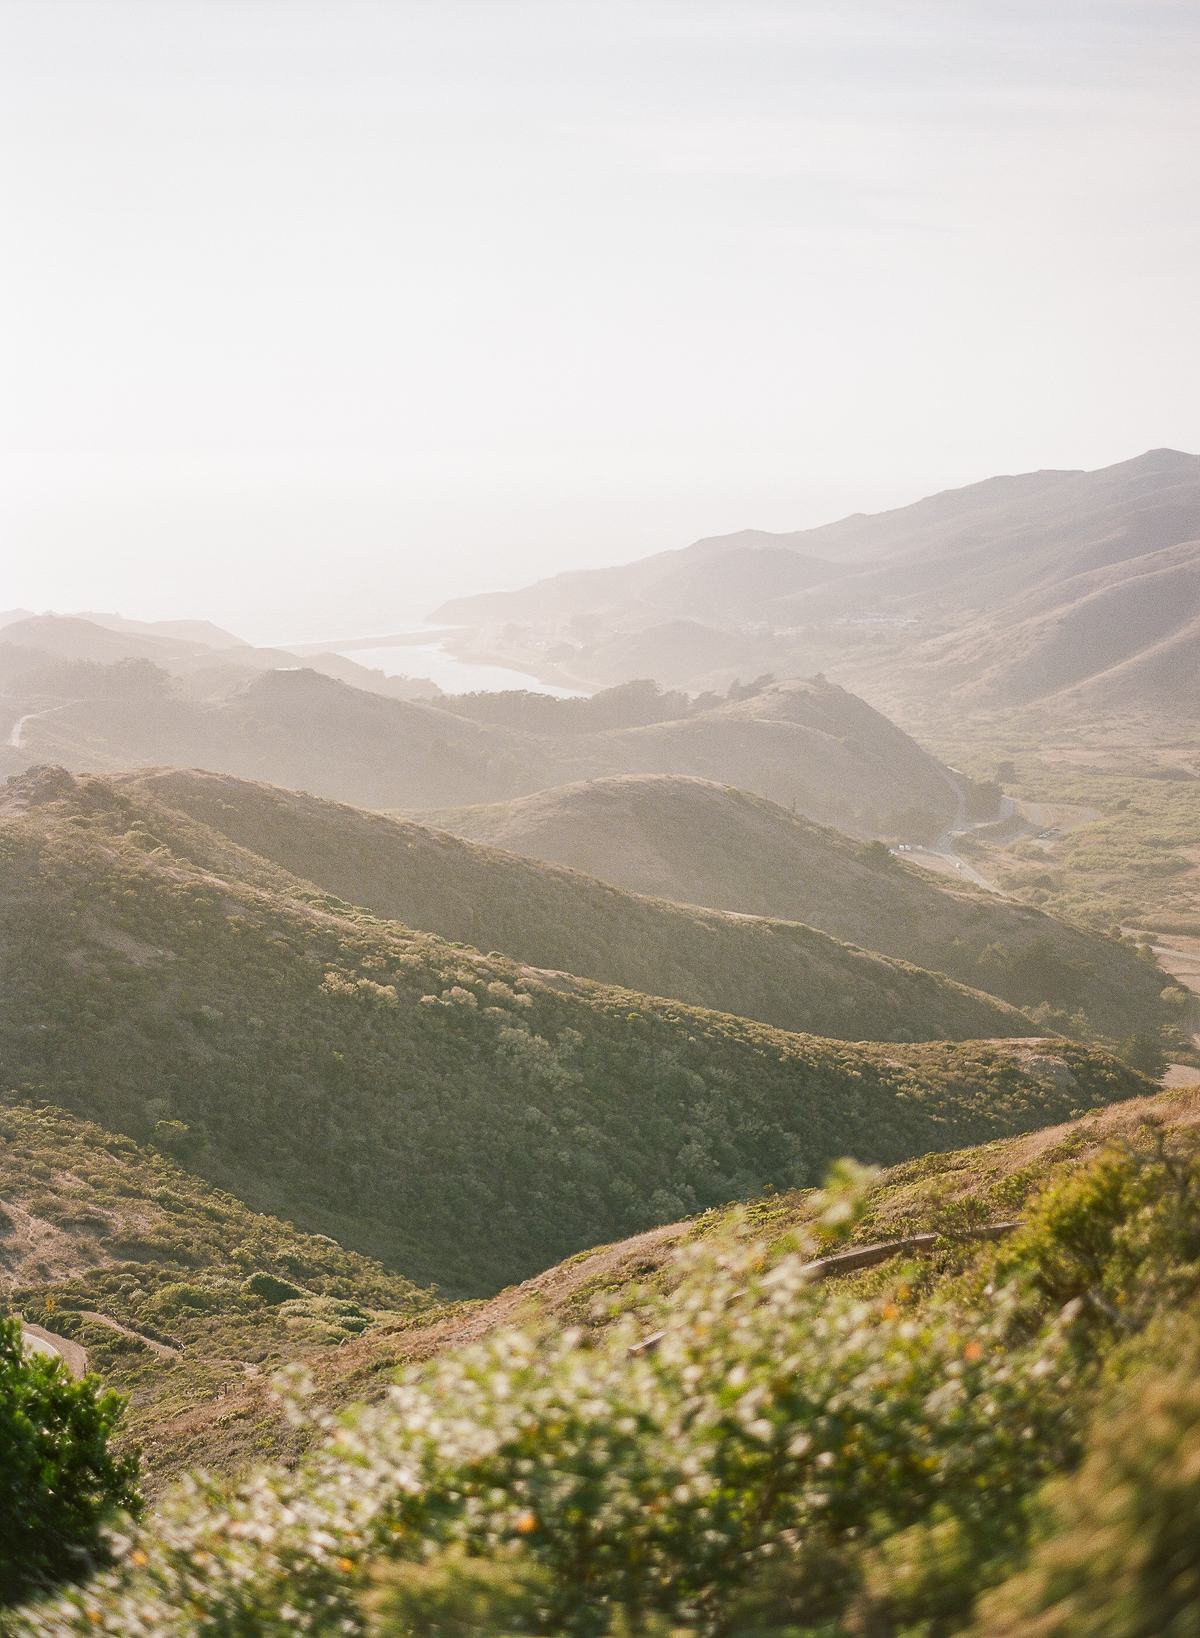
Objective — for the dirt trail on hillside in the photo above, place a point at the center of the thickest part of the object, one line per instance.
(1059, 817)
(18, 731)
(160, 1348)
(1179, 957)
(552, 1288)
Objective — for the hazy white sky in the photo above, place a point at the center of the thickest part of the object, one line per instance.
(315, 311)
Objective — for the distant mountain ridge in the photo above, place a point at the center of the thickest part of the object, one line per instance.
(960, 594)
(209, 660)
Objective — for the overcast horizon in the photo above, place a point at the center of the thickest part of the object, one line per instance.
(316, 314)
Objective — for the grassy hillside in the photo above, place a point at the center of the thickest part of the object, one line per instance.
(180, 1294)
(293, 727)
(104, 1233)
(946, 1194)
(458, 1116)
(701, 843)
(1116, 636)
(1116, 834)
(809, 744)
(774, 971)
(802, 742)
(684, 1426)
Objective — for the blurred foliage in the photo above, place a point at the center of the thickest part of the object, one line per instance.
(1120, 1555)
(786, 1458)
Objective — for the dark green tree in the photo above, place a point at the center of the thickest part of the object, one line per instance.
(1143, 1051)
(59, 1481)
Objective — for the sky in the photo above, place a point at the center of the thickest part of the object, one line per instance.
(315, 312)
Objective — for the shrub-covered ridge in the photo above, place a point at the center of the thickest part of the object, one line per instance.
(463, 1118)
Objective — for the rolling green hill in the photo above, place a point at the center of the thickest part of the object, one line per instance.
(774, 971)
(458, 1116)
(701, 843)
(803, 741)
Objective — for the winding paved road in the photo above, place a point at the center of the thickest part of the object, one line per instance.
(14, 739)
(36, 1340)
(959, 827)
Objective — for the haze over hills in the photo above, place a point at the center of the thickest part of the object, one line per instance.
(775, 971)
(804, 742)
(209, 659)
(942, 596)
(1114, 637)
(455, 1114)
(1090, 580)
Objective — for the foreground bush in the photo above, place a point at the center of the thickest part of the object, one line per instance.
(756, 1454)
(59, 1482)
(770, 1416)
(1123, 1556)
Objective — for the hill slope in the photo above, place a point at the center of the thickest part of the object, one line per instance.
(229, 1415)
(206, 659)
(984, 541)
(775, 971)
(458, 1116)
(998, 527)
(702, 843)
(807, 742)
(179, 1294)
(1016, 589)
(1113, 637)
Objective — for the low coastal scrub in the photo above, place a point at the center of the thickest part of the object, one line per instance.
(755, 1453)
(178, 1292)
(462, 1118)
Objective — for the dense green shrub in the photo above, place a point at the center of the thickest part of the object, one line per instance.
(59, 1482)
(1143, 1051)
(774, 1418)
(453, 1596)
(1119, 1240)
(271, 1288)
